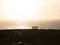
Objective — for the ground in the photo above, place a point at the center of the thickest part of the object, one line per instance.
(30, 37)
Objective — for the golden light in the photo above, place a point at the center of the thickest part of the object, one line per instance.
(22, 27)
(26, 11)
(21, 9)
(29, 9)
(17, 9)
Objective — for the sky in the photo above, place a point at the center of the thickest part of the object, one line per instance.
(25, 11)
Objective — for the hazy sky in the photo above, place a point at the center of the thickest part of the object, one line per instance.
(29, 9)
(22, 10)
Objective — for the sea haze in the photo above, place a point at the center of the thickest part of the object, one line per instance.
(45, 24)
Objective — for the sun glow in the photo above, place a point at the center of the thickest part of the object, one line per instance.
(17, 9)
(28, 11)
(19, 27)
(22, 27)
